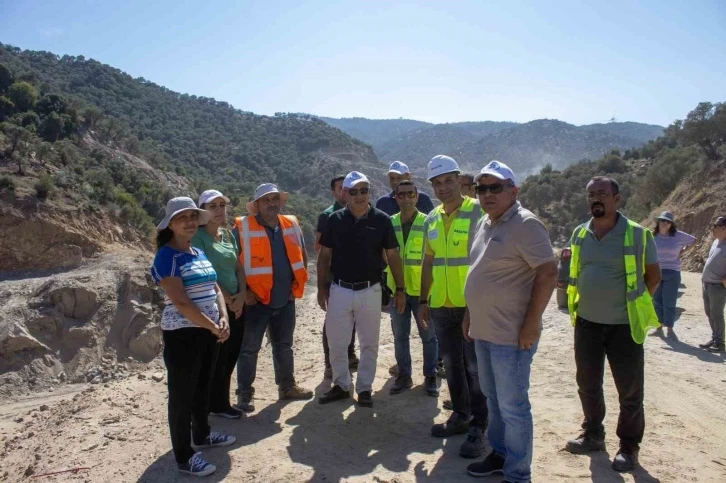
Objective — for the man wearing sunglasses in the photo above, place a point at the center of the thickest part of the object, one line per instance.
(446, 260)
(512, 276)
(714, 286)
(408, 225)
(351, 248)
(388, 204)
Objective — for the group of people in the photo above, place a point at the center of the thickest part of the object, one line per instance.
(475, 273)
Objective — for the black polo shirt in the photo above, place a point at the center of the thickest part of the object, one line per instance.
(358, 244)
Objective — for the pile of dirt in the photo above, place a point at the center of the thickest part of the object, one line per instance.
(91, 324)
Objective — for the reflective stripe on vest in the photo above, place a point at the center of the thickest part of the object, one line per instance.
(412, 254)
(256, 255)
(641, 313)
(451, 252)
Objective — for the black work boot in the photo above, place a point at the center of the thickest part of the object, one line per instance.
(586, 443)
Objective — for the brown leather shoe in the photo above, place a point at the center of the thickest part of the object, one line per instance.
(295, 392)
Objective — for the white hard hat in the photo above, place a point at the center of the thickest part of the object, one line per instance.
(441, 165)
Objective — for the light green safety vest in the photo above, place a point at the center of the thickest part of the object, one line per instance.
(641, 313)
(412, 254)
(451, 252)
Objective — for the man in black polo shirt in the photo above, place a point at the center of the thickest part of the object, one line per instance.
(336, 188)
(354, 239)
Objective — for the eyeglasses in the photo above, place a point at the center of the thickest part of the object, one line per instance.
(666, 221)
(495, 188)
(406, 194)
(355, 191)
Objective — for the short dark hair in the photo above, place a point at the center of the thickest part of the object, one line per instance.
(613, 183)
(163, 237)
(468, 176)
(335, 180)
(406, 183)
(671, 232)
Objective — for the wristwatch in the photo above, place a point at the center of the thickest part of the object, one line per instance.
(400, 289)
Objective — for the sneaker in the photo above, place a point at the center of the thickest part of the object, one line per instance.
(454, 425)
(295, 393)
(365, 399)
(393, 370)
(657, 332)
(448, 405)
(706, 345)
(230, 413)
(432, 389)
(328, 374)
(335, 394)
(246, 401)
(585, 443)
(197, 466)
(490, 465)
(353, 363)
(625, 461)
(402, 383)
(716, 348)
(216, 439)
(473, 446)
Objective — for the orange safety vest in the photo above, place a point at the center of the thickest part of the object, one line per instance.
(256, 255)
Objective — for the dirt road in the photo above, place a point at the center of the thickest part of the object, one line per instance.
(120, 431)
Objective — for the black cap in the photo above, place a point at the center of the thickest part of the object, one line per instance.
(720, 221)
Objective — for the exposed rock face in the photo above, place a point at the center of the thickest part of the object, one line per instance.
(78, 324)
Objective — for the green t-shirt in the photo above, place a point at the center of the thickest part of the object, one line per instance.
(222, 255)
(601, 281)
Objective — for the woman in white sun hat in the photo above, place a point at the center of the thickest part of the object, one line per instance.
(194, 320)
(222, 251)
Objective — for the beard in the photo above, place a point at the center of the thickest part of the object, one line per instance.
(600, 210)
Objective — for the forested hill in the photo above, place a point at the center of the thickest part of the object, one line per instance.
(209, 142)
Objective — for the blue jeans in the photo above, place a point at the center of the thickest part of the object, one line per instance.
(504, 373)
(666, 296)
(462, 373)
(282, 326)
(401, 326)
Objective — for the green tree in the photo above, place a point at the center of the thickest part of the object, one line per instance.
(52, 127)
(7, 108)
(91, 116)
(6, 78)
(705, 126)
(51, 103)
(23, 95)
(44, 186)
(42, 151)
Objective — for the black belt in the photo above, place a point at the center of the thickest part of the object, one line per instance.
(356, 285)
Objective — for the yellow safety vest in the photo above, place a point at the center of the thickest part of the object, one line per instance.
(641, 313)
(412, 254)
(451, 252)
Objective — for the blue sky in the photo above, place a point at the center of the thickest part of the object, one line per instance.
(578, 61)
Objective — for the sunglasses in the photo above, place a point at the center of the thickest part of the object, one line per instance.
(355, 191)
(666, 221)
(496, 188)
(406, 194)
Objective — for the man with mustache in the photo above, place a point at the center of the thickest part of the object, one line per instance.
(613, 273)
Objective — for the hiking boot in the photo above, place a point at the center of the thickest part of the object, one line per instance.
(490, 465)
(246, 401)
(473, 446)
(215, 439)
(230, 413)
(294, 393)
(353, 363)
(432, 389)
(657, 332)
(197, 466)
(393, 370)
(706, 345)
(365, 399)
(335, 394)
(448, 405)
(585, 443)
(716, 348)
(454, 425)
(402, 383)
(328, 374)
(625, 460)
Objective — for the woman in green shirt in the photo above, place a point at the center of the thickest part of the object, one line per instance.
(222, 251)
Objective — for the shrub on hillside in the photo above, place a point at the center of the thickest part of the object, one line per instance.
(44, 186)
(7, 183)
